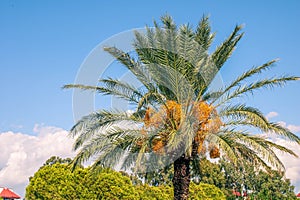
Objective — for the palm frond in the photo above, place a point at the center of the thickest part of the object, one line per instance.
(120, 89)
(108, 145)
(203, 34)
(266, 83)
(260, 146)
(90, 149)
(135, 67)
(170, 32)
(280, 130)
(255, 158)
(151, 98)
(145, 46)
(224, 51)
(225, 143)
(274, 146)
(253, 148)
(96, 123)
(112, 87)
(81, 87)
(191, 58)
(118, 148)
(172, 84)
(245, 75)
(246, 113)
(242, 115)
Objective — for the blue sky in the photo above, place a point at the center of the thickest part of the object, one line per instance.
(43, 44)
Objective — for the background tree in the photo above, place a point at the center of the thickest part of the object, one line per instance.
(57, 181)
(158, 177)
(177, 117)
(241, 178)
(256, 183)
(244, 178)
(113, 185)
(212, 173)
(52, 182)
(273, 186)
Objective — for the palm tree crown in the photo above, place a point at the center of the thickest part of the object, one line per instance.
(177, 115)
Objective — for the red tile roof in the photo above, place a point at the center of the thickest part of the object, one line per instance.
(7, 193)
(235, 193)
(298, 195)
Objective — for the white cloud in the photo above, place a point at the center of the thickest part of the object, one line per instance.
(291, 163)
(271, 115)
(294, 128)
(22, 155)
(282, 123)
(291, 127)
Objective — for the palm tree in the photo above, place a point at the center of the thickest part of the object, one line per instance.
(178, 118)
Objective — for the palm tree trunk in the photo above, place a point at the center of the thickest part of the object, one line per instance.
(181, 179)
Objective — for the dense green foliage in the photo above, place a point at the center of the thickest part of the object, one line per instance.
(154, 192)
(158, 177)
(55, 180)
(112, 185)
(205, 191)
(273, 186)
(197, 192)
(211, 173)
(258, 184)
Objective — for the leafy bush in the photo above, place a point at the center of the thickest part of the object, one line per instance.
(197, 192)
(55, 180)
(205, 191)
(112, 185)
(147, 192)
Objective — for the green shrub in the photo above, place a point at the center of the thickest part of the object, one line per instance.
(205, 191)
(201, 191)
(147, 192)
(112, 185)
(57, 181)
